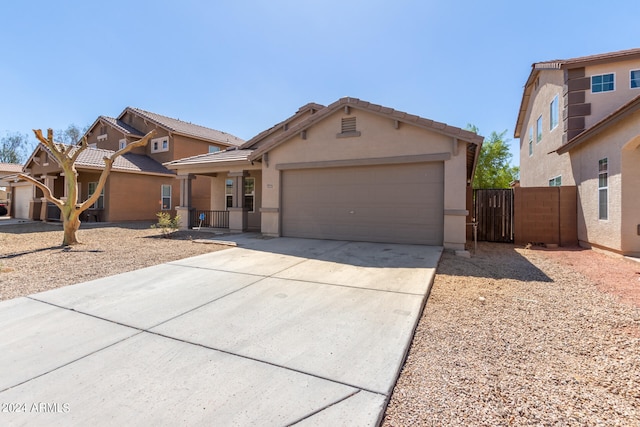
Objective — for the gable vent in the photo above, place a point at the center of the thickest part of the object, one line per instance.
(348, 124)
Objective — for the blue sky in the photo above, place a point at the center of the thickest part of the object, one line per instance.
(241, 66)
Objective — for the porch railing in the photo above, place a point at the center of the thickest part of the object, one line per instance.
(53, 212)
(210, 219)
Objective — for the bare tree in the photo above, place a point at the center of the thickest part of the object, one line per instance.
(71, 135)
(66, 156)
(13, 147)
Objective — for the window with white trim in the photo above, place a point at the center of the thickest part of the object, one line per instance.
(531, 141)
(603, 83)
(160, 144)
(98, 204)
(603, 189)
(213, 149)
(165, 194)
(103, 135)
(539, 129)
(634, 78)
(249, 194)
(553, 113)
(555, 182)
(122, 143)
(228, 193)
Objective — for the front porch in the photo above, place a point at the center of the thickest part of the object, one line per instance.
(40, 209)
(235, 201)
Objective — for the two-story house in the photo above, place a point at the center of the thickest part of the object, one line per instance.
(139, 185)
(579, 125)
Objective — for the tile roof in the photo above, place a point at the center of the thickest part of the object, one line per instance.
(185, 128)
(122, 126)
(93, 158)
(264, 134)
(401, 116)
(230, 155)
(583, 60)
(605, 123)
(10, 167)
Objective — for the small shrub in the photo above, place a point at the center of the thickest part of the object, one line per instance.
(166, 224)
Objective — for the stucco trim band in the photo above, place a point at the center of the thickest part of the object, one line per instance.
(456, 212)
(423, 158)
(269, 210)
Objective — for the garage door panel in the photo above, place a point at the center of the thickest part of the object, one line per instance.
(390, 203)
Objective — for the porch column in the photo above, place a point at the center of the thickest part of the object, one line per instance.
(238, 214)
(184, 210)
(455, 201)
(49, 181)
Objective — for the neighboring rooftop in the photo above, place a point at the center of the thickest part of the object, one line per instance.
(93, 158)
(311, 106)
(10, 167)
(122, 126)
(619, 114)
(185, 128)
(590, 59)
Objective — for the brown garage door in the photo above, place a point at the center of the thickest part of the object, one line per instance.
(390, 203)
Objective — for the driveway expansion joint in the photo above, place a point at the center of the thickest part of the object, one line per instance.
(323, 408)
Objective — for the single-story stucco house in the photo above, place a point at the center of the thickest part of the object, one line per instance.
(348, 171)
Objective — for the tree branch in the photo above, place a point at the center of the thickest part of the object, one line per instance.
(47, 192)
(108, 164)
(83, 146)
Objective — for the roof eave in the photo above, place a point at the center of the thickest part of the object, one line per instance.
(355, 103)
(224, 163)
(601, 126)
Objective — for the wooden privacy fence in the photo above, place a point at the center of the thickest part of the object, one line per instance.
(544, 215)
(493, 212)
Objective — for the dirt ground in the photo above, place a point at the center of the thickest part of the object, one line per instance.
(511, 336)
(518, 336)
(610, 273)
(31, 259)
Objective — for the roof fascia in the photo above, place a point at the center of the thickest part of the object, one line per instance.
(601, 126)
(171, 131)
(265, 134)
(354, 103)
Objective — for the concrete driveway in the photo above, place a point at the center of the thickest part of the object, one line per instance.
(271, 332)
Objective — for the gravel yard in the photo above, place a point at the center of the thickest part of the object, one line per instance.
(512, 336)
(518, 336)
(31, 259)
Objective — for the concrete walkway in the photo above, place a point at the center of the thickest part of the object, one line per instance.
(271, 332)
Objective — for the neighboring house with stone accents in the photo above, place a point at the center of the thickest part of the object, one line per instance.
(139, 185)
(348, 171)
(579, 124)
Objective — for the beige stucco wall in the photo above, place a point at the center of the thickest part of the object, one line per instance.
(631, 196)
(379, 139)
(604, 103)
(619, 144)
(536, 170)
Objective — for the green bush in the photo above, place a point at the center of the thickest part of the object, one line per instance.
(166, 224)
